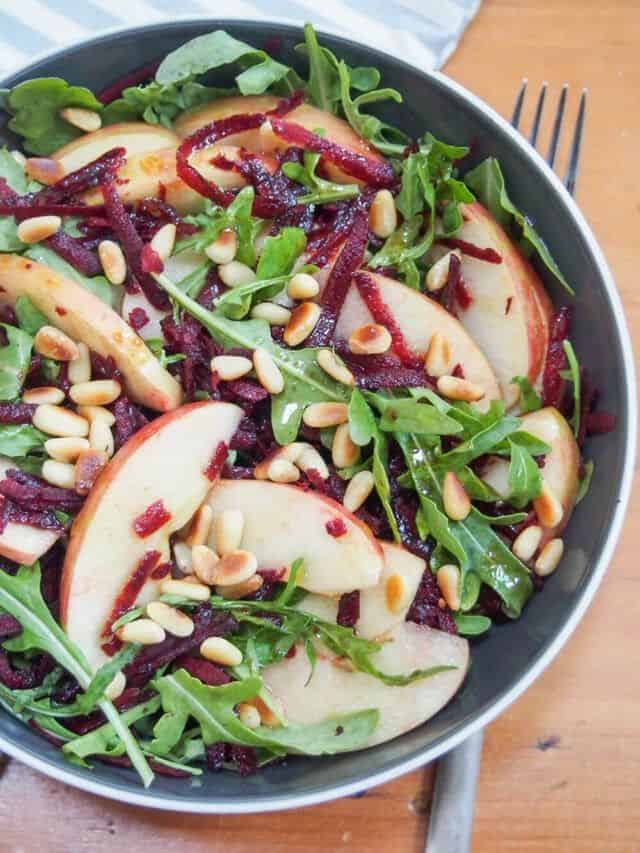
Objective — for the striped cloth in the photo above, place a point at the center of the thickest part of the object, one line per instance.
(423, 32)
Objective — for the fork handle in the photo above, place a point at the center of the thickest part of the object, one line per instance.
(451, 820)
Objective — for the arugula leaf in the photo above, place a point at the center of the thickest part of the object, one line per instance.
(407, 415)
(585, 480)
(487, 182)
(573, 375)
(236, 302)
(525, 479)
(476, 488)
(15, 358)
(98, 285)
(87, 700)
(323, 87)
(297, 568)
(382, 136)
(362, 422)
(158, 104)
(106, 740)
(17, 440)
(30, 318)
(480, 443)
(471, 624)
(13, 173)
(321, 191)
(530, 400)
(280, 253)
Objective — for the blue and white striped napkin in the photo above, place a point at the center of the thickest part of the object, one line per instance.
(423, 32)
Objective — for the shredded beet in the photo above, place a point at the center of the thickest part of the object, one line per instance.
(220, 754)
(426, 610)
(82, 179)
(43, 519)
(9, 626)
(73, 252)
(26, 677)
(129, 419)
(349, 609)
(207, 672)
(553, 384)
(152, 519)
(115, 90)
(16, 413)
(190, 339)
(138, 318)
(336, 527)
(489, 255)
(599, 423)
(35, 494)
(150, 260)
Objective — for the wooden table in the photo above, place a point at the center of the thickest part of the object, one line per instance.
(561, 769)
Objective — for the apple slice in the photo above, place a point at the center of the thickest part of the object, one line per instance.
(84, 317)
(418, 317)
(283, 523)
(23, 543)
(332, 689)
(163, 466)
(136, 137)
(561, 471)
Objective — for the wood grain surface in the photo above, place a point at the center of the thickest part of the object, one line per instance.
(561, 768)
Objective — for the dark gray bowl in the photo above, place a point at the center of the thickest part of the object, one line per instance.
(512, 656)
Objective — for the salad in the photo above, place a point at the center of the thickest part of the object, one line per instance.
(287, 417)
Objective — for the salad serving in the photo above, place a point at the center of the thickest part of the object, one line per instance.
(286, 413)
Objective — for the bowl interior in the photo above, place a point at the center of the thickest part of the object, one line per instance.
(504, 662)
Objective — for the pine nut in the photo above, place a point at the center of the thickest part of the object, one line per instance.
(235, 274)
(370, 339)
(268, 139)
(290, 452)
(459, 389)
(97, 413)
(438, 359)
(87, 120)
(44, 394)
(113, 261)
(282, 471)
(344, 452)
(204, 562)
(267, 371)
(274, 315)
(358, 490)
(194, 591)
(228, 528)
(449, 582)
(89, 465)
(143, 631)
(271, 717)
(321, 415)
(311, 460)
(249, 715)
(549, 558)
(230, 367)
(79, 370)
(548, 508)
(301, 323)
(396, 593)
(59, 474)
(526, 543)
(457, 503)
(223, 250)
(383, 216)
(303, 286)
(52, 343)
(99, 392)
(183, 557)
(19, 157)
(66, 449)
(219, 650)
(236, 567)
(164, 240)
(38, 228)
(200, 526)
(101, 437)
(240, 590)
(45, 170)
(334, 368)
(437, 276)
(54, 420)
(116, 687)
(173, 621)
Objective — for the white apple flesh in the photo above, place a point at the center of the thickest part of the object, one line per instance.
(19, 542)
(135, 137)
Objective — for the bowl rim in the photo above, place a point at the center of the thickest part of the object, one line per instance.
(464, 729)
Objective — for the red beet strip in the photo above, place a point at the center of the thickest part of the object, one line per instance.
(115, 90)
(489, 255)
(82, 179)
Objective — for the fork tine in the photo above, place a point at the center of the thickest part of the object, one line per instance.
(557, 127)
(517, 109)
(533, 138)
(576, 143)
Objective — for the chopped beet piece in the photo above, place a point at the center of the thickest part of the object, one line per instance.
(27, 677)
(336, 527)
(129, 419)
(553, 384)
(43, 519)
(216, 755)
(599, 423)
(349, 609)
(213, 469)
(152, 519)
(473, 251)
(71, 250)
(458, 372)
(244, 391)
(34, 494)
(426, 610)
(16, 413)
(206, 671)
(150, 260)
(190, 339)
(277, 194)
(244, 757)
(9, 626)
(138, 318)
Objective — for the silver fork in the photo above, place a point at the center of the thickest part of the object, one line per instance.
(451, 819)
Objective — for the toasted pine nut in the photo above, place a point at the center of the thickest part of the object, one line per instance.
(143, 631)
(396, 593)
(19, 157)
(457, 503)
(548, 508)
(449, 582)
(98, 392)
(437, 276)
(334, 368)
(321, 415)
(311, 460)
(268, 139)
(173, 621)
(101, 437)
(219, 650)
(275, 315)
(183, 557)
(200, 526)
(267, 371)
(359, 488)
(370, 339)
(302, 286)
(282, 471)
(195, 591)
(301, 323)
(116, 687)
(459, 389)
(54, 420)
(66, 449)
(87, 120)
(549, 558)
(227, 529)
(164, 240)
(97, 413)
(204, 562)
(344, 451)
(44, 394)
(290, 452)
(79, 370)
(230, 367)
(249, 715)
(235, 274)
(383, 216)
(223, 250)
(236, 567)
(438, 359)
(526, 543)
(271, 717)
(45, 170)
(239, 590)
(59, 474)
(52, 343)
(113, 261)
(38, 228)
(89, 465)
